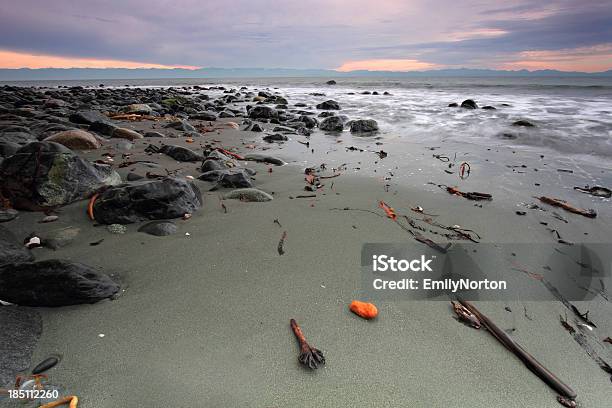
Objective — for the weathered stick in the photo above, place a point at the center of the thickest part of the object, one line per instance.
(534, 365)
(555, 202)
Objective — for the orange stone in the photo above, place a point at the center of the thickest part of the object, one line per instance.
(363, 309)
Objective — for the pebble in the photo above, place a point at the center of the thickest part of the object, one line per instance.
(363, 309)
(117, 228)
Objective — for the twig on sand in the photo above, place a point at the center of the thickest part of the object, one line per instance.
(555, 202)
(534, 365)
(73, 400)
(281, 243)
(309, 356)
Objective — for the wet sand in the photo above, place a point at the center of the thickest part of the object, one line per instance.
(203, 319)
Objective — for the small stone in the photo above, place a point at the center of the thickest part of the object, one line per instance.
(8, 215)
(49, 218)
(248, 194)
(125, 133)
(117, 228)
(75, 140)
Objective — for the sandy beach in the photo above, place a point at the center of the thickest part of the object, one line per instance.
(202, 317)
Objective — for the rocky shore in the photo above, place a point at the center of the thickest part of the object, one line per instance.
(159, 233)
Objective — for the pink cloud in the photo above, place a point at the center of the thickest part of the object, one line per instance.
(386, 65)
(10, 59)
(587, 59)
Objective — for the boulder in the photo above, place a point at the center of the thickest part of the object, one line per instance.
(125, 133)
(180, 153)
(469, 104)
(148, 200)
(159, 228)
(211, 164)
(138, 108)
(453, 105)
(331, 82)
(276, 137)
(205, 115)
(523, 123)
(489, 107)
(11, 250)
(364, 126)
(87, 117)
(47, 174)
(75, 139)
(329, 105)
(262, 158)
(232, 178)
(332, 124)
(54, 283)
(248, 194)
(181, 125)
(263, 112)
(103, 127)
(8, 148)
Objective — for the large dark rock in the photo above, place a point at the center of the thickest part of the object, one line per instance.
(205, 115)
(263, 112)
(149, 200)
(12, 250)
(181, 125)
(87, 117)
(329, 105)
(332, 124)
(21, 329)
(180, 153)
(469, 104)
(364, 126)
(47, 174)
(159, 228)
(54, 282)
(276, 137)
(523, 123)
(103, 127)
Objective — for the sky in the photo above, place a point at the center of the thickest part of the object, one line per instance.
(397, 35)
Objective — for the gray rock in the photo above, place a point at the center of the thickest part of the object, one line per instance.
(88, 117)
(523, 123)
(248, 194)
(154, 134)
(8, 214)
(329, 105)
(134, 177)
(205, 115)
(469, 104)
(256, 128)
(102, 127)
(262, 158)
(332, 124)
(364, 126)
(231, 178)
(276, 137)
(211, 164)
(8, 148)
(263, 112)
(125, 133)
(180, 153)
(138, 108)
(159, 228)
(181, 125)
(148, 200)
(47, 174)
(53, 283)
(117, 229)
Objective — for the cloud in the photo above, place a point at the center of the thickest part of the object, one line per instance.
(22, 60)
(301, 33)
(386, 65)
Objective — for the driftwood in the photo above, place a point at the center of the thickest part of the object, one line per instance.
(555, 202)
(534, 365)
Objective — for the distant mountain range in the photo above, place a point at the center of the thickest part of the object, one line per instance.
(27, 74)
